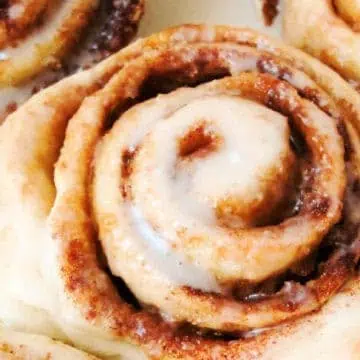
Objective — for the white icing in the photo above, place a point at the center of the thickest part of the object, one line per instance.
(215, 177)
(3, 55)
(16, 11)
(238, 66)
(187, 199)
(162, 257)
(255, 332)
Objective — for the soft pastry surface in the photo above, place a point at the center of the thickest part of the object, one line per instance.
(19, 346)
(327, 29)
(193, 196)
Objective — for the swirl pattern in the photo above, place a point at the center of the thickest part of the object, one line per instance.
(205, 185)
(327, 30)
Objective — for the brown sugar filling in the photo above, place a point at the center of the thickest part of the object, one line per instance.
(270, 10)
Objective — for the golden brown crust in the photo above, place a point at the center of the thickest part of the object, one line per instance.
(62, 213)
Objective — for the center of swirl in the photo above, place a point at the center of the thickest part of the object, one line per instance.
(228, 162)
(210, 190)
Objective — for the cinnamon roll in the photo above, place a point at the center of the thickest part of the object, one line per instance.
(193, 196)
(51, 39)
(17, 346)
(327, 29)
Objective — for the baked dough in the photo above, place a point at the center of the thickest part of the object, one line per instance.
(17, 346)
(102, 156)
(327, 29)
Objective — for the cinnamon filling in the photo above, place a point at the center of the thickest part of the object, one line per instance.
(121, 24)
(4, 5)
(270, 10)
(198, 142)
(126, 170)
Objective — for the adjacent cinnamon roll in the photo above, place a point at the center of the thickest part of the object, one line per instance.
(52, 39)
(16, 346)
(327, 29)
(193, 196)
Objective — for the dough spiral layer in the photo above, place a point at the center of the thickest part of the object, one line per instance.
(17, 346)
(329, 30)
(195, 193)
